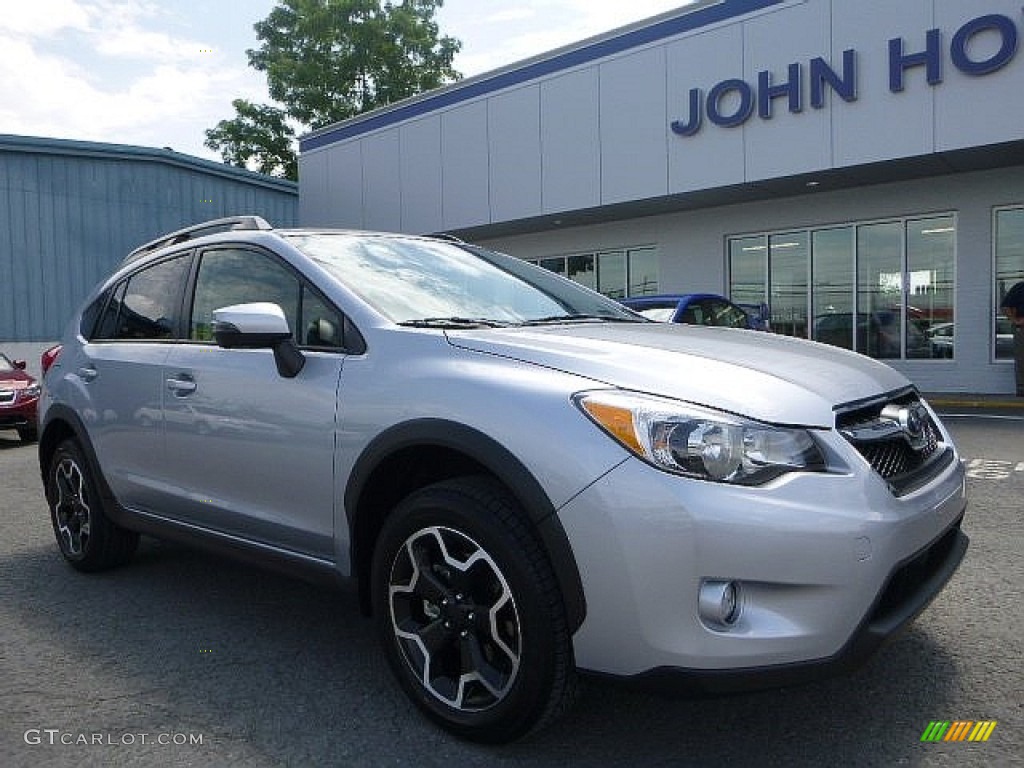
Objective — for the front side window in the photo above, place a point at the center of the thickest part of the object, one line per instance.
(239, 276)
(146, 305)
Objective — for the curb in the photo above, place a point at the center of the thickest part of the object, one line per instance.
(999, 402)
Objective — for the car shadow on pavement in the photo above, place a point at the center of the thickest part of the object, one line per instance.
(276, 671)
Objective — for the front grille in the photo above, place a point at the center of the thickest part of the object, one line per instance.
(906, 459)
(7, 395)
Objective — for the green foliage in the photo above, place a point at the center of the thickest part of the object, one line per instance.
(329, 60)
(258, 133)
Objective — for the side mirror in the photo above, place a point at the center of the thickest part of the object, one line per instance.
(19, 364)
(261, 325)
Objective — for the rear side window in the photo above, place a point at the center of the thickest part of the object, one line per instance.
(146, 305)
(728, 315)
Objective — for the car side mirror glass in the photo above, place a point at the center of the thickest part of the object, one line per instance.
(260, 325)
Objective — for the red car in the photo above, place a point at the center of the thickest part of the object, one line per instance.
(19, 396)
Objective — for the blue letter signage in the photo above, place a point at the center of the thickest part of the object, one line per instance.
(731, 102)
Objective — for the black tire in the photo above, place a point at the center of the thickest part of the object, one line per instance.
(88, 540)
(28, 434)
(492, 635)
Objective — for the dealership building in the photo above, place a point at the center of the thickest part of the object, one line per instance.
(853, 167)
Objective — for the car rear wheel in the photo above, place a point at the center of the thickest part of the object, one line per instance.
(471, 618)
(88, 540)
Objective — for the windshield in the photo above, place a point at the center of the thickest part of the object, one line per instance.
(411, 280)
(5, 364)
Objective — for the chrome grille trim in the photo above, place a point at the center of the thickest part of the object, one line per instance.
(905, 458)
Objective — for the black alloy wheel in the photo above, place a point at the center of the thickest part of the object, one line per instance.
(88, 540)
(469, 612)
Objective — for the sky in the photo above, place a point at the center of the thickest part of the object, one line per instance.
(160, 72)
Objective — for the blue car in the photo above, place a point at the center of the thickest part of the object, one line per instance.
(697, 309)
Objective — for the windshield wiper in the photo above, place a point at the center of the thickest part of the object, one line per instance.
(455, 322)
(555, 319)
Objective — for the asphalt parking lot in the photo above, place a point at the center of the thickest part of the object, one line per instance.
(181, 659)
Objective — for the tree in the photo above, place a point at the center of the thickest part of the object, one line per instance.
(258, 133)
(329, 60)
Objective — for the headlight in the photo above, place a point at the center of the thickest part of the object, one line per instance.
(31, 391)
(699, 442)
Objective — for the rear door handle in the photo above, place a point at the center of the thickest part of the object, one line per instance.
(88, 373)
(181, 386)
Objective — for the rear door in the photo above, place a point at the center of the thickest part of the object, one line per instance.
(250, 453)
(118, 384)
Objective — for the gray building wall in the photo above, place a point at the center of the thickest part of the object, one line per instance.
(71, 211)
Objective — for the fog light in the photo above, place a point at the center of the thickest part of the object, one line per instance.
(718, 603)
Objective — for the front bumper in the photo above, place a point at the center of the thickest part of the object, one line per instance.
(21, 415)
(909, 590)
(830, 565)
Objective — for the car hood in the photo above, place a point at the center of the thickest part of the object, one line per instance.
(771, 378)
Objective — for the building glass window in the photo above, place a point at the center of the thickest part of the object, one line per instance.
(611, 274)
(931, 245)
(879, 321)
(832, 286)
(556, 265)
(884, 289)
(1009, 252)
(617, 273)
(643, 271)
(748, 269)
(581, 269)
(788, 265)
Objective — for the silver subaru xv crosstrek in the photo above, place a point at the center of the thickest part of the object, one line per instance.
(525, 478)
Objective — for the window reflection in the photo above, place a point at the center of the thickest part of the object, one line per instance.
(884, 289)
(1009, 237)
(616, 274)
(643, 272)
(931, 245)
(832, 286)
(748, 267)
(788, 265)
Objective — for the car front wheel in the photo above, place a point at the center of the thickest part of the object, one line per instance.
(88, 540)
(470, 613)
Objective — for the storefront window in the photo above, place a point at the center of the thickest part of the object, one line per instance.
(884, 289)
(787, 269)
(748, 269)
(931, 246)
(643, 271)
(879, 290)
(611, 274)
(617, 274)
(1009, 247)
(832, 286)
(556, 265)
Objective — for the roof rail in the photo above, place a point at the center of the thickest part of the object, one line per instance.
(208, 227)
(446, 237)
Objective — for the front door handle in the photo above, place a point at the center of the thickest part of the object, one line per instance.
(183, 386)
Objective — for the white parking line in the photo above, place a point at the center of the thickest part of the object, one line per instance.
(992, 469)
